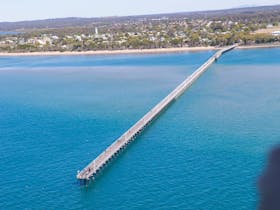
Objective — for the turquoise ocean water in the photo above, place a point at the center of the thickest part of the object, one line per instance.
(205, 152)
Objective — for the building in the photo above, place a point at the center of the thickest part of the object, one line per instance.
(276, 33)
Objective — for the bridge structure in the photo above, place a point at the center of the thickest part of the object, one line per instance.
(93, 168)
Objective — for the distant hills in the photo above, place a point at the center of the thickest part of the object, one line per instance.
(245, 6)
(83, 22)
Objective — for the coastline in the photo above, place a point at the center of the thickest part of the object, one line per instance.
(112, 52)
(275, 45)
(132, 51)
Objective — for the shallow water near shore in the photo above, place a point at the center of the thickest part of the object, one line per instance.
(205, 152)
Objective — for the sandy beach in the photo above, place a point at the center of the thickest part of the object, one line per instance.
(113, 52)
(274, 45)
(133, 51)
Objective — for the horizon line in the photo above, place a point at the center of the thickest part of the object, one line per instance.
(139, 15)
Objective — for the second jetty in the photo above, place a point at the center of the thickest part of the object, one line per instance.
(92, 169)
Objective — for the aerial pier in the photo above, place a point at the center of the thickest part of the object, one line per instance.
(92, 169)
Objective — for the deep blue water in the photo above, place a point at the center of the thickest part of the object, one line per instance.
(205, 152)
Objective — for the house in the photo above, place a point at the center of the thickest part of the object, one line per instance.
(269, 26)
(276, 33)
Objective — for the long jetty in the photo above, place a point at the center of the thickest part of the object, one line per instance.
(92, 169)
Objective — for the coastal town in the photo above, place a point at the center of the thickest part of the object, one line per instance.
(149, 33)
(140, 105)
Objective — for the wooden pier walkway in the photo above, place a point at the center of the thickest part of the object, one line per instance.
(105, 157)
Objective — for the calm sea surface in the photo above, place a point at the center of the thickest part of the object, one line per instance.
(205, 152)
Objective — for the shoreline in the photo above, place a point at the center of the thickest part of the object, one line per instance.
(112, 52)
(131, 51)
(259, 46)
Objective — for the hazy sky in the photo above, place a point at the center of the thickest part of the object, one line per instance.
(14, 10)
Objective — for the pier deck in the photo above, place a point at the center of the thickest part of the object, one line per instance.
(98, 163)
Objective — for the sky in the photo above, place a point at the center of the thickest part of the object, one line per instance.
(18, 10)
